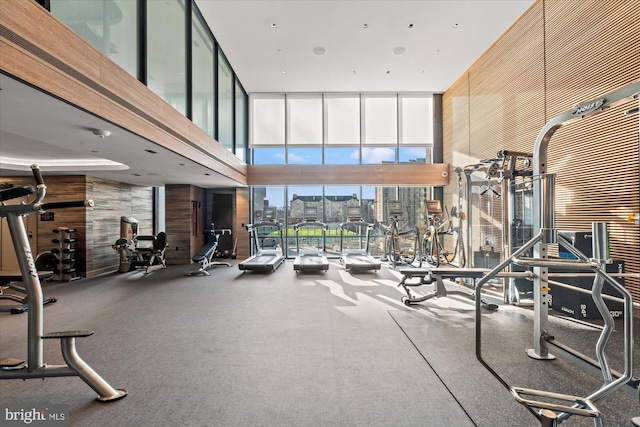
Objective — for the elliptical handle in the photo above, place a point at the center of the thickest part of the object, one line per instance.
(37, 175)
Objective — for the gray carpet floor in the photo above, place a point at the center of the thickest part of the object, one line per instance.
(278, 349)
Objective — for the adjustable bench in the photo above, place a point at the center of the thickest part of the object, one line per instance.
(205, 258)
(431, 275)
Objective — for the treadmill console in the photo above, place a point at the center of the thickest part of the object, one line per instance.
(354, 214)
(395, 208)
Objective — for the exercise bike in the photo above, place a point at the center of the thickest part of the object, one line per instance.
(34, 367)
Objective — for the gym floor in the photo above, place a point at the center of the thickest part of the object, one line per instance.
(293, 349)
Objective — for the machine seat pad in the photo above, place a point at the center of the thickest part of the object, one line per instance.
(10, 362)
(204, 252)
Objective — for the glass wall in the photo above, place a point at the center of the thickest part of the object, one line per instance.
(226, 94)
(330, 205)
(242, 135)
(203, 75)
(304, 204)
(219, 104)
(111, 27)
(166, 52)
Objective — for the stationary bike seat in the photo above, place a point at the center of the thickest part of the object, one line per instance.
(15, 192)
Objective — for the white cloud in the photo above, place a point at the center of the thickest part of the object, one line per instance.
(377, 155)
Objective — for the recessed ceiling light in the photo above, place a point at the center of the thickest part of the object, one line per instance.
(207, 174)
(365, 25)
(151, 151)
(274, 25)
(319, 50)
(284, 72)
(410, 25)
(183, 164)
(400, 50)
(388, 72)
(456, 25)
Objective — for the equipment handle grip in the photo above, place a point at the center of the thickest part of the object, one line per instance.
(64, 205)
(36, 174)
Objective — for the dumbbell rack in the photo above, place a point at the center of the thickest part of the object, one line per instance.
(65, 253)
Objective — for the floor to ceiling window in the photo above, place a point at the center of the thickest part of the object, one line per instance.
(166, 52)
(203, 75)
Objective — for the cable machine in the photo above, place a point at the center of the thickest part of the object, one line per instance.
(548, 407)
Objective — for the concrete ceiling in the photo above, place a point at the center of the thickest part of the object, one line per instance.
(262, 39)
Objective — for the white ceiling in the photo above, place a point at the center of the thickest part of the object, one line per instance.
(37, 128)
(442, 39)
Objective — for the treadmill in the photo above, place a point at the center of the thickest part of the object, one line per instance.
(310, 257)
(268, 244)
(356, 258)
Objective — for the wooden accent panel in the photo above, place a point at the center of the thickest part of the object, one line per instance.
(197, 230)
(179, 224)
(240, 219)
(594, 48)
(545, 63)
(404, 174)
(39, 49)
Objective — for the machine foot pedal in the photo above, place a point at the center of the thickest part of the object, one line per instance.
(67, 334)
(10, 363)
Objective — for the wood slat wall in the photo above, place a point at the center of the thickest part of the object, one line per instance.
(557, 54)
(593, 47)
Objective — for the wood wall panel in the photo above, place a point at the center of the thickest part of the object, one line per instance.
(588, 48)
(593, 47)
(179, 224)
(240, 220)
(404, 174)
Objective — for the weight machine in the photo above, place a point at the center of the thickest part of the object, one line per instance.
(511, 172)
(548, 407)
